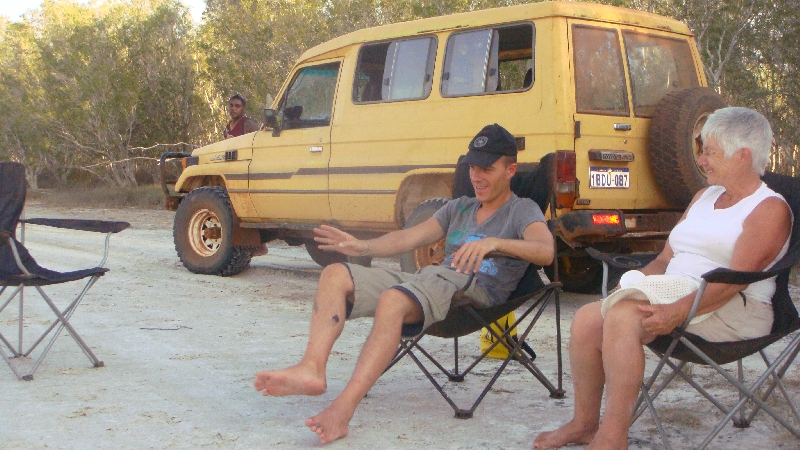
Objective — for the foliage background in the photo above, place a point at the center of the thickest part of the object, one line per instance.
(93, 93)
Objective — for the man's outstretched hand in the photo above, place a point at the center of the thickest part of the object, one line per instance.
(334, 239)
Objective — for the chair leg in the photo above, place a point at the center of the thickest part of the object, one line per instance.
(408, 347)
(455, 376)
(777, 377)
(749, 393)
(560, 392)
(740, 421)
(53, 330)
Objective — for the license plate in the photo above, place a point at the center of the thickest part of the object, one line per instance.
(609, 178)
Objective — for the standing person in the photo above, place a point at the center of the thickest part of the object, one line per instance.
(405, 304)
(738, 223)
(239, 124)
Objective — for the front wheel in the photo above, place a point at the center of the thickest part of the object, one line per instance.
(430, 254)
(203, 232)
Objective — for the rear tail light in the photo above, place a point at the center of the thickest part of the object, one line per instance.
(606, 219)
(566, 180)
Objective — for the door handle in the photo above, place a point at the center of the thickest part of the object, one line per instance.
(622, 126)
(315, 149)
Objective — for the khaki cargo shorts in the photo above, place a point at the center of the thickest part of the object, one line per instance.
(432, 287)
(735, 321)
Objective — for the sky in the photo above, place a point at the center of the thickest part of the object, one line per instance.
(14, 9)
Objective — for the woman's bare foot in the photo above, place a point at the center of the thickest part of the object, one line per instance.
(332, 423)
(608, 441)
(295, 380)
(569, 433)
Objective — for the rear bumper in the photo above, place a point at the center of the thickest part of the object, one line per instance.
(583, 228)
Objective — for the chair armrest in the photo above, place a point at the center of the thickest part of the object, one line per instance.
(728, 276)
(98, 226)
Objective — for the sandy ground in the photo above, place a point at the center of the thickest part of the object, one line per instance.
(181, 351)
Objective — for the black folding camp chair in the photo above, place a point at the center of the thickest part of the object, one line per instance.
(685, 347)
(18, 270)
(532, 295)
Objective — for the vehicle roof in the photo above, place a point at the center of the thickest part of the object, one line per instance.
(578, 10)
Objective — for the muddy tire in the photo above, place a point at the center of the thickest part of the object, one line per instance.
(578, 273)
(203, 234)
(674, 148)
(429, 255)
(322, 257)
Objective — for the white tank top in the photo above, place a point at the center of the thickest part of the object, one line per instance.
(706, 238)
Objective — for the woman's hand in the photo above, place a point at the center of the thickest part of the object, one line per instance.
(334, 239)
(662, 319)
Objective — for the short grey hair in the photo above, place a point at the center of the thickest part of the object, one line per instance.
(736, 128)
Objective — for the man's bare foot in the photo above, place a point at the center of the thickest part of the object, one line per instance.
(331, 424)
(295, 380)
(569, 433)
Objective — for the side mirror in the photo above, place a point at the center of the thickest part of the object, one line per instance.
(271, 119)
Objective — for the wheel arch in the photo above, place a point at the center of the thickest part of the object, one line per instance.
(418, 187)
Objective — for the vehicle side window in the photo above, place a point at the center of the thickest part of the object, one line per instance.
(489, 61)
(657, 65)
(391, 71)
(599, 74)
(309, 100)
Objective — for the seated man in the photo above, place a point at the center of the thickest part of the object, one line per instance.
(737, 222)
(404, 303)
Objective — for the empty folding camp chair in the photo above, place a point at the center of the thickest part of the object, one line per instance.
(18, 270)
(532, 294)
(685, 347)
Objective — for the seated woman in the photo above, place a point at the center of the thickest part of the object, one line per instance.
(737, 222)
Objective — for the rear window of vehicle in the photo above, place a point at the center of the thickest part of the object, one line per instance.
(489, 60)
(392, 71)
(657, 65)
(599, 74)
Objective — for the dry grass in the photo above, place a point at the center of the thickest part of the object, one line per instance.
(141, 197)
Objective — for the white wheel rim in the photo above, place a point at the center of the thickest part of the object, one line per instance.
(696, 143)
(205, 233)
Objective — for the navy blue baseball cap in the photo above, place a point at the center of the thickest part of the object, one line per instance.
(492, 142)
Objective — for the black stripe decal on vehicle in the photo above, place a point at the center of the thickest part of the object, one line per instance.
(371, 169)
(336, 171)
(305, 192)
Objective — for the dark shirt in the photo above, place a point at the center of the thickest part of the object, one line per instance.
(242, 126)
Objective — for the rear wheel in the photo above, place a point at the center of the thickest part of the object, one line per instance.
(578, 273)
(202, 233)
(674, 145)
(431, 254)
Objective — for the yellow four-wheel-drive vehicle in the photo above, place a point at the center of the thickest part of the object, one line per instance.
(368, 127)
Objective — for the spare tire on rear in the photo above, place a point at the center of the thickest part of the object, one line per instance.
(674, 145)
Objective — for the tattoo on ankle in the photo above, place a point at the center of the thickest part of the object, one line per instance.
(335, 318)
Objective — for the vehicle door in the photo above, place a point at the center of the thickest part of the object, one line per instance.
(288, 177)
(613, 111)
(608, 143)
